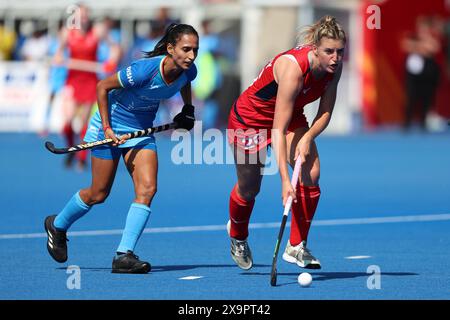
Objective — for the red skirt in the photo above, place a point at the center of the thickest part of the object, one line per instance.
(252, 139)
(84, 86)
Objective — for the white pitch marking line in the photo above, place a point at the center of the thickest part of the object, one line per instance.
(318, 223)
(358, 257)
(190, 278)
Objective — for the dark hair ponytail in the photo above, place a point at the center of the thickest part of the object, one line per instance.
(173, 33)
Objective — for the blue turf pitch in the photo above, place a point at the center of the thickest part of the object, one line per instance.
(383, 175)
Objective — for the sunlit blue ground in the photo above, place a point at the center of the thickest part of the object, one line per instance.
(364, 176)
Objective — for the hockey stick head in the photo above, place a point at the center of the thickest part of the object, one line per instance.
(273, 277)
(287, 208)
(51, 147)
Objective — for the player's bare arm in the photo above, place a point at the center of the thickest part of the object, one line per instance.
(186, 94)
(322, 118)
(103, 87)
(289, 77)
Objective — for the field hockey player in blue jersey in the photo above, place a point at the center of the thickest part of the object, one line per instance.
(128, 101)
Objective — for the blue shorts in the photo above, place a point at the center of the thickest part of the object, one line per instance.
(122, 122)
(110, 153)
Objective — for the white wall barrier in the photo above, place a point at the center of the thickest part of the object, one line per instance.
(24, 96)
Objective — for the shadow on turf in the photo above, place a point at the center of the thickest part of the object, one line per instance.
(197, 266)
(88, 268)
(324, 276)
(173, 268)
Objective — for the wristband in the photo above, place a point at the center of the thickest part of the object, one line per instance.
(105, 128)
(188, 108)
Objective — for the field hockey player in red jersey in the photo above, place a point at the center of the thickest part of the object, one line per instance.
(270, 112)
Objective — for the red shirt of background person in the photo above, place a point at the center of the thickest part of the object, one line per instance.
(271, 111)
(83, 46)
(82, 42)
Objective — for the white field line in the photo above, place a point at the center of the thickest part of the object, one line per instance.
(317, 223)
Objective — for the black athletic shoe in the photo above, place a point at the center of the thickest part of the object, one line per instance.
(129, 263)
(57, 240)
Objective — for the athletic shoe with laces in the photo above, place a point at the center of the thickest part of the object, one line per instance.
(240, 251)
(56, 241)
(129, 263)
(300, 255)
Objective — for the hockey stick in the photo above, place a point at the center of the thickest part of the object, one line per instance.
(89, 145)
(287, 208)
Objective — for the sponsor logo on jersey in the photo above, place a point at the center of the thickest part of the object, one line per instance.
(130, 76)
(155, 86)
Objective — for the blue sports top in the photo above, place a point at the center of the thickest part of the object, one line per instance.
(144, 85)
(134, 106)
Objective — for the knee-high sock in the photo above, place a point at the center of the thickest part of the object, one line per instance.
(136, 220)
(73, 211)
(240, 212)
(303, 213)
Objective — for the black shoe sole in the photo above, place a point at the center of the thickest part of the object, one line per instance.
(54, 258)
(50, 249)
(132, 271)
(313, 266)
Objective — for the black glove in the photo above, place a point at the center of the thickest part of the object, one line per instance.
(185, 119)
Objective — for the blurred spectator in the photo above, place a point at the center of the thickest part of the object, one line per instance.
(7, 42)
(447, 46)
(80, 88)
(35, 47)
(25, 31)
(226, 55)
(58, 73)
(422, 68)
(161, 21)
(109, 46)
(147, 34)
(209, 76)
(144, 40)
(57, 76)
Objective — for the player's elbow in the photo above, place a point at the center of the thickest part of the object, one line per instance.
(325, 117)
(326, 114)
(281, 123)
(101, 87)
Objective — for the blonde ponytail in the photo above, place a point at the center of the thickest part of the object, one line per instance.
(327, 26)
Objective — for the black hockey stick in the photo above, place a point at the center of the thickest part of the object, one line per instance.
(89, 145)
(287, 208)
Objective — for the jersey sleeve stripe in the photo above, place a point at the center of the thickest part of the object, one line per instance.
(120, 81)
